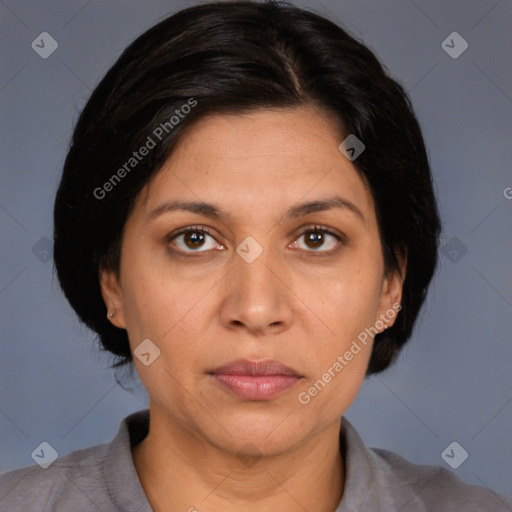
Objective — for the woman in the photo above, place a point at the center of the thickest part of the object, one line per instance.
(246, 214)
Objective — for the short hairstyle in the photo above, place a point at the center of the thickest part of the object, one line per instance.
(219, 58)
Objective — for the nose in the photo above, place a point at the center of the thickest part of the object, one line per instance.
(257, 297)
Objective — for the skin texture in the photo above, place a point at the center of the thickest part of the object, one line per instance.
(302, 302)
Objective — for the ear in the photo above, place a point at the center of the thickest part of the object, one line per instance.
(112, 297)
(391, 295)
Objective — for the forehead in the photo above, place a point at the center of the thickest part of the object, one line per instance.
(289, 132)
(259, 160)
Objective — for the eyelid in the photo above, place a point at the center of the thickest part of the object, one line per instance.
(319, 227)
(190, 229)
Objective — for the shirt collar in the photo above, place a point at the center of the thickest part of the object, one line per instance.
(357, 470)
(120, 469)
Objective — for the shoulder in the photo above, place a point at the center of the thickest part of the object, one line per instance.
(430, 487)
(72, 481)
(378, 479)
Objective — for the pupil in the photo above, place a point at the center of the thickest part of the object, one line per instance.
(316, 238)
(194, 237)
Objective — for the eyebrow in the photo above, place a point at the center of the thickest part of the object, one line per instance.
(214, 212)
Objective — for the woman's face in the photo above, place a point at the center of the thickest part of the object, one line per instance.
(255, 287)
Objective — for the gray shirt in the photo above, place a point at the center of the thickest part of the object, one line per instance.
(103, 478)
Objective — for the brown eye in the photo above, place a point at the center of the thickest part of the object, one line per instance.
(314, 240)
(318, 239)
(193, 239)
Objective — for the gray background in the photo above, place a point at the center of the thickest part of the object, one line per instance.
(452, 382)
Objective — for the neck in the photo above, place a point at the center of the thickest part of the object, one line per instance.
(180, 471)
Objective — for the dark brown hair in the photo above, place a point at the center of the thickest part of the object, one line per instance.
(236, 57)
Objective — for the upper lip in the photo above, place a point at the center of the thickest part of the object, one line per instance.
(246, 367)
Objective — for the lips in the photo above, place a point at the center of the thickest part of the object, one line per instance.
(255, 380)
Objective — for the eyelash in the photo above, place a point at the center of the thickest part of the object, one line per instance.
(313, 229)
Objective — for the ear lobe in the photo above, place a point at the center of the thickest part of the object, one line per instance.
(112, 297)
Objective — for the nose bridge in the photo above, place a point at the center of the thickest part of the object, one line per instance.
(253, 264)
(256, 297)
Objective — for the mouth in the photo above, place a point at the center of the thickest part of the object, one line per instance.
(255, 380)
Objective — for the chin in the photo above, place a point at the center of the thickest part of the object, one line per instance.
(271, 434)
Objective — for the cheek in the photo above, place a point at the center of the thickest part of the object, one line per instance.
(347, 301)
(336, 379)
(346, 309)
(337, 363)
(165, 315)
(151, 304)
(164, 307)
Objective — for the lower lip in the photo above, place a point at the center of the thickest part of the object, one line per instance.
(256, 387)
